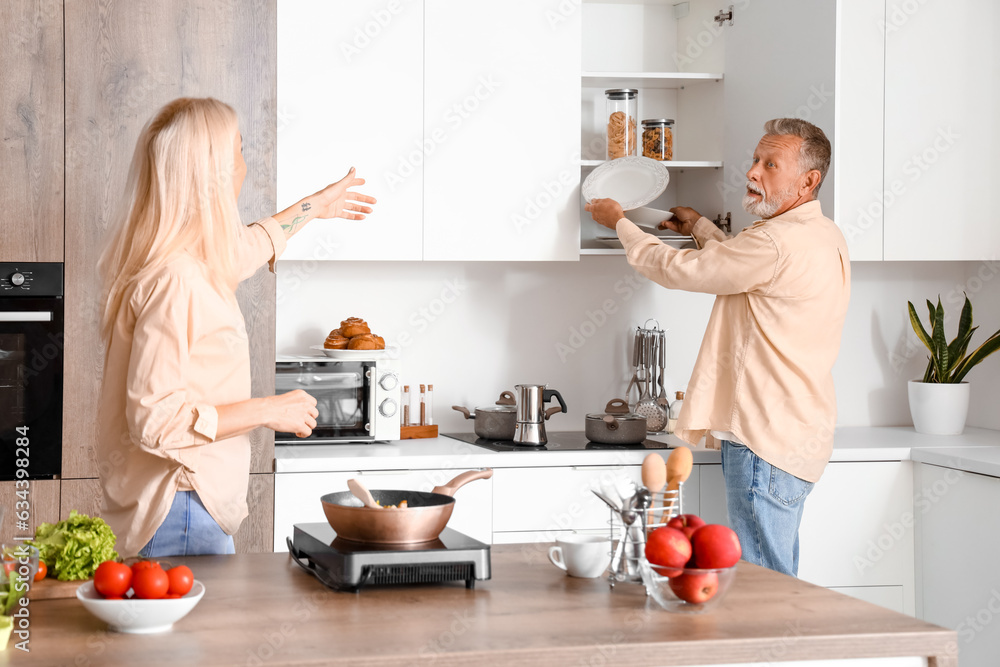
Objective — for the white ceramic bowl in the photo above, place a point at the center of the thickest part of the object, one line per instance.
(139, 616)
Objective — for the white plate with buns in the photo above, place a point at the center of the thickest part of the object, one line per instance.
(349, 354)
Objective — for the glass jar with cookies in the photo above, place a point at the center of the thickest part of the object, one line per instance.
(622, 106)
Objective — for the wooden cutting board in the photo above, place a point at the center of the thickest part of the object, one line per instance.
(53, 589)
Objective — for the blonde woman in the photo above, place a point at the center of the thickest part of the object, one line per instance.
(175, 409)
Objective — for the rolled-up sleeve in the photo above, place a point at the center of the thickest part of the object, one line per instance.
(259, 243)
(746, 262)
(161, 414)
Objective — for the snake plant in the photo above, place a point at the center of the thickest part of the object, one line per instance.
(948, 362)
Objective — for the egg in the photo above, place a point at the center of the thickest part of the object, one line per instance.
(654, 472)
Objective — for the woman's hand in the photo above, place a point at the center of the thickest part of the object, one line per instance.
(337, 201)
(292, 412)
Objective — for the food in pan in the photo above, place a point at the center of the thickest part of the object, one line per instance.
(401, 506)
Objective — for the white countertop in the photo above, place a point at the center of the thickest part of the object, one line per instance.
(976, 450)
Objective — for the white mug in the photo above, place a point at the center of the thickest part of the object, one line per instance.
(584, 556)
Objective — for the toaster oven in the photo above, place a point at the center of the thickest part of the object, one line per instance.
(357, 399)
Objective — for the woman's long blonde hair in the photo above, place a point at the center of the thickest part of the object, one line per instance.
(179, 197)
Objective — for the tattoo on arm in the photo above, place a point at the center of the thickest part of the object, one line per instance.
(289, 227)
(306, 206)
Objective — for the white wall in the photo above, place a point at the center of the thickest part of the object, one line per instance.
(475, 329)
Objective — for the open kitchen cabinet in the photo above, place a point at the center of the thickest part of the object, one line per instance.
(720, 79)
(463, 118)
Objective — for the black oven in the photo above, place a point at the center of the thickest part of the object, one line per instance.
(31, 370)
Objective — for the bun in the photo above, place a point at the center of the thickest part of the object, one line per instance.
(354, 326)
(336, 341)
(364, 342)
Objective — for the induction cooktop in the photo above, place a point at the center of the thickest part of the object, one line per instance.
(557, 442)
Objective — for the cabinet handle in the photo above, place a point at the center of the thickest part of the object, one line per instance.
(384, 472)
(591, 468)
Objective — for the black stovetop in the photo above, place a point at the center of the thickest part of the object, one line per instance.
(557, 442)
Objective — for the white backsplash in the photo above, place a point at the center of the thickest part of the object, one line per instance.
(473, 329)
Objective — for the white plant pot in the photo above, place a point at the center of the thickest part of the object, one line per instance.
(938, 408)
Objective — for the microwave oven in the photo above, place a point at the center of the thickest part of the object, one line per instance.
(357, 398)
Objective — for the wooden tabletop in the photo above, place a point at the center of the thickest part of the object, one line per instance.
(262, 609)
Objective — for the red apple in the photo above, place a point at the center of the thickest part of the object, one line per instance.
(668, 547)
(715, 546)
(686, 523)
(695, 587)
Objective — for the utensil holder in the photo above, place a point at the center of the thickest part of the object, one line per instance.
(665, 504)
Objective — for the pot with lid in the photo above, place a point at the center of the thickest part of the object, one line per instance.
(616, 426)
(497, 422)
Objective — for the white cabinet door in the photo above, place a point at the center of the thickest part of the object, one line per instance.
(780, 59)
(958, 540)
(858, 195)
(537, 504)
(297, 498)
(941, 143)
(857, 527)
(350, 91)
(501, 131)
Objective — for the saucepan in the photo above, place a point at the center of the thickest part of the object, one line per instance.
(497, 422)
(422, 520)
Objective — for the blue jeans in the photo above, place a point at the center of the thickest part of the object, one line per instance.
(188, 530)
(765, 508)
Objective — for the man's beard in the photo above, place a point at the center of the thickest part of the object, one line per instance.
(767, 206)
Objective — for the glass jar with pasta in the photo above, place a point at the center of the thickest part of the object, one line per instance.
(658, 138)
(622, 107)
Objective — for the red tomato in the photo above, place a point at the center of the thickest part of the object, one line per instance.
(181, 579)
(150, 583)
(9, 566)
(141, 565)
(43, 571)
(112, 579)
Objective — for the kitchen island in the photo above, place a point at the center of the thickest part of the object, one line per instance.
(262, 609)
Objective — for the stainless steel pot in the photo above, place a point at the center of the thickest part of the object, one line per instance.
(616, 426)
(497, 422)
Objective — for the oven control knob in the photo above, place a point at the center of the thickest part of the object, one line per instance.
(17, 279)
(387, 408)
(389, 381)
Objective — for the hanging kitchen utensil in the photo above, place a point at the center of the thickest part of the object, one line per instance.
(647, 406)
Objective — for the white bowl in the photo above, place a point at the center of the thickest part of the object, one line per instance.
(139, 616)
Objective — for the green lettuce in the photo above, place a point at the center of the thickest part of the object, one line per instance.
(74, 547)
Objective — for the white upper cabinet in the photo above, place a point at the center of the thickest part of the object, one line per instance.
(858, 196)
(942, 104)
(780, 57)
(350, 92)
(501, 130)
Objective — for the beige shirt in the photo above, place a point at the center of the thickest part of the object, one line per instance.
(178, 348)
(763, 371)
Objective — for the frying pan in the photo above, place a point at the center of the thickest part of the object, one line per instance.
(422, 520)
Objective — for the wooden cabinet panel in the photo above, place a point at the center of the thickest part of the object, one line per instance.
(123, 62)
(257, 532)
(31, 127)
(82, 495)
(43, 507)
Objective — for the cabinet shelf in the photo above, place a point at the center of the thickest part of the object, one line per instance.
(670, 164)
(647, 79)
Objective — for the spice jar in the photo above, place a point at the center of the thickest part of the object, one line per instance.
(622, 105)
(658, 138)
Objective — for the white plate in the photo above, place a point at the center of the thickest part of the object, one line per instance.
(630, 181)
(349, 354)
